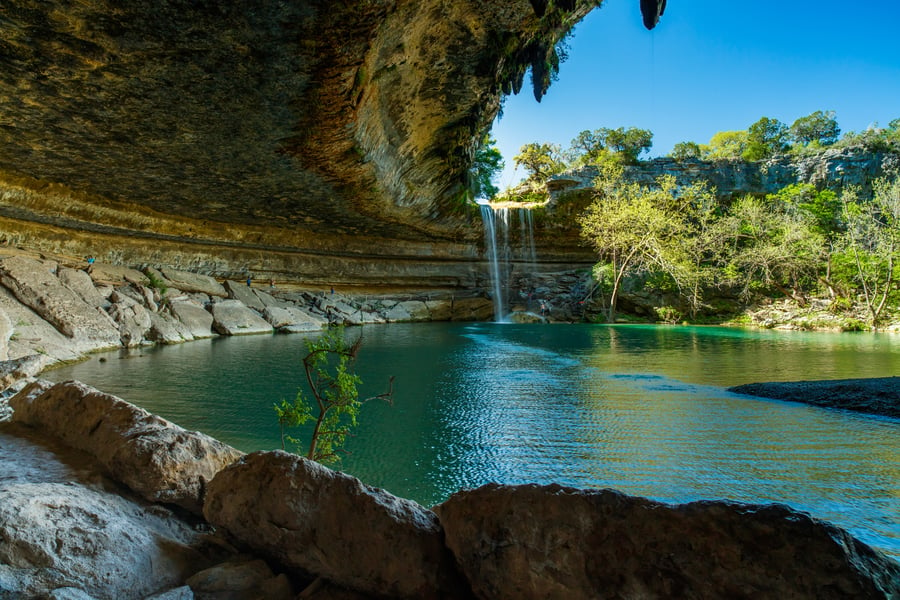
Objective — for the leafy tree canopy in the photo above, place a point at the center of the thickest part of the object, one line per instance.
(726, 145)
(766, 138)
(819, 127)
(541, 161)
(487, 164)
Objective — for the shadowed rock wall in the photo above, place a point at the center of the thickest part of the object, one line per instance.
(309, 128)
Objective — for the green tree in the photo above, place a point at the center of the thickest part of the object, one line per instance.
(872, 243)
(770, 248)
(541, 161)
(629, 143)
(638, 229)
(817, 128)
(488, 162)
(686, 150)
(726, 145)
(333, 404)
(824, 209)
(766, 138)
(586, 148)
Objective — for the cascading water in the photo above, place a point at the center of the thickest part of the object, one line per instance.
(499, 250)
(490, 244)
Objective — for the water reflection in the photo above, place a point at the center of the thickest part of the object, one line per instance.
(641, 409)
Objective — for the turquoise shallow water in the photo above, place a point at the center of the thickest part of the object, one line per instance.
(642, 409)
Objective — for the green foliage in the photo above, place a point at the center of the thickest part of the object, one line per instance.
(333, 403)
(156, 283)
(541, 161)
(870, 248)
(668, 314)
(726, 145)
(766, 138)
(639, 229)
(488, 162)
(820, 128)
(686, 151)
(625, 144)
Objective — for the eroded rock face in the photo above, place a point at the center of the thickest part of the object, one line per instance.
(157, 459)
(329, 524)
(318, 140)
(555, 542)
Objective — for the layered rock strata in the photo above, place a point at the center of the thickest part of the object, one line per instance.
(321, 141)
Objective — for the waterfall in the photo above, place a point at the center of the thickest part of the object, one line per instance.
(497, 221)
(490, 244)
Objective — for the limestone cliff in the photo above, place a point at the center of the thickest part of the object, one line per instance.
(211, 132)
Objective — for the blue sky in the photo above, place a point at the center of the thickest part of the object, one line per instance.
(714, 65)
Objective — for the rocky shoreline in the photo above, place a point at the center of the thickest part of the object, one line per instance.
(114, 502)
(875, 396)
(100, 499)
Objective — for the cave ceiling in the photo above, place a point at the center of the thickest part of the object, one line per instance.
(345, 117)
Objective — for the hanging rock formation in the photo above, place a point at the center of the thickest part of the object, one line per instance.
(325, 140)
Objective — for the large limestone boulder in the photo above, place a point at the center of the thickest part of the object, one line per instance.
(166, 329)
(115, 275)
(245, 294)
(197, 320)
(34, 335)
(61, 535)
(66, 530)
(194, 282)
(417, 310)
(33, 284)
(157, 459)
(550, 541)
(231, 317)
(330, 524)
(81, 283)
(291, 319)
(25, 367)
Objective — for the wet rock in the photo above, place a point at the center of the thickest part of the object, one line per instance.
(180, 593)
(193, 282)
(34, 285)
(196, 319)
(231, 317)
(157, 459)
(245, 294)
(472, 309)
(329, 524)
(877, 395)
(246, 579)
(533, 541)
(322, 589)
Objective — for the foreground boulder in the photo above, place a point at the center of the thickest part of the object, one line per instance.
(330, 524)
(550, 541)
(68, 532)
(157, 459)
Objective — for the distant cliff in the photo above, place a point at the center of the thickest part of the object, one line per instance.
(834, 169)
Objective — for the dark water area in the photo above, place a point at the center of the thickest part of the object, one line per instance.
(642, 409)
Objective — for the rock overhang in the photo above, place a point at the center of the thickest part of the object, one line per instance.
(336, 118)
